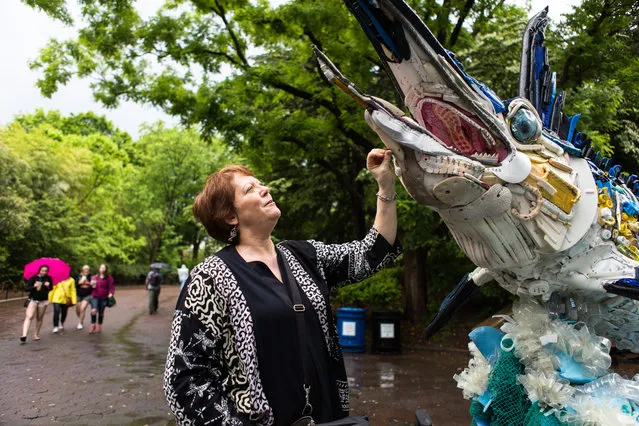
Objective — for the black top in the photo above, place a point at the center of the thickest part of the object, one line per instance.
(234, 356)
(83, 289)
(43, 293)
(154, 279)
(278, 349)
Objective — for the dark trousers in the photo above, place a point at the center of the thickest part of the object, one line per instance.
(98, 305)
(59, 313)
(154, 295)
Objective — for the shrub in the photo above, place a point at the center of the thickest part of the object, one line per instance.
(381, 291)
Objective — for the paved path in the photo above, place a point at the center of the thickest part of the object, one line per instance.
(115, 377)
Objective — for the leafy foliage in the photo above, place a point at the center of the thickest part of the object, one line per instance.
(243, 72)
(381, 291)
(596, 52)
(77, 188)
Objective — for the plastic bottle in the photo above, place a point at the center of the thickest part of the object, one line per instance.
(612, 385)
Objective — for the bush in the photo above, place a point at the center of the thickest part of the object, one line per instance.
(127, 274)
(381, 291)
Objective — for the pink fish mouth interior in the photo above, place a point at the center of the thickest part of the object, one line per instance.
(460, 131)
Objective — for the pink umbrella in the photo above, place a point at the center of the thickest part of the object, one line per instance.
(58, 269)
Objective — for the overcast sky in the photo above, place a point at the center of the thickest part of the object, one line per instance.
(24, 31)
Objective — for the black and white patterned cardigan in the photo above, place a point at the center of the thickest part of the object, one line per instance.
(212, 374)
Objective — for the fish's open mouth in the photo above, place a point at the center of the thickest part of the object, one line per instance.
(459, 131)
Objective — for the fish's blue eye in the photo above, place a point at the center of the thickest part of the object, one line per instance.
(524, 125)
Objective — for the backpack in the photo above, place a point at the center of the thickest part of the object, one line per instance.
(154, 279)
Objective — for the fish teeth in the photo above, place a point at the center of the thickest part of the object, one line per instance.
(485, 157)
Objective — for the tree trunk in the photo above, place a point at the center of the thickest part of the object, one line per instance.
(196, 244)
(415, 283)
(155, 249)
(357, 209)
(460, 23)
(443, 22)
(156, 244)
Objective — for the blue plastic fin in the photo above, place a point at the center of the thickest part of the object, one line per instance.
(481, 422)
(573, 371)
(464, 289)
(488, 341)
(573, 125)
(485, 399)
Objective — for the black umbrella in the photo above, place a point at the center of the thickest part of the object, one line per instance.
(159, 265)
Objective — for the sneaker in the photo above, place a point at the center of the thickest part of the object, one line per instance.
(92, 329)
(99, 328)
(61, 327)
(23, 339)
(56, 329)
(80, 326)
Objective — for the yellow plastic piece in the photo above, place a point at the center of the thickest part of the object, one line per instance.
(552, 186)
(628, 252)
(604, 199)
(567, 194)
(624, 230)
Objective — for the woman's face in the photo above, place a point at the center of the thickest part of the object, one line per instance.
(253, 202)
(43, 271)
(102, 269)
(85, 270)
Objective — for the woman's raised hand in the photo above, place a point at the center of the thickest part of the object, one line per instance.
(378, 162)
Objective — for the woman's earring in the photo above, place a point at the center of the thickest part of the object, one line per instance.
(233, 234)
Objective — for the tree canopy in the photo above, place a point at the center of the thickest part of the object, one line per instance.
(243, 76)
(79, 189)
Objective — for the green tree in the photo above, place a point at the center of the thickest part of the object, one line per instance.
(61, 198)
(173, 165)
(596, 54)
(273, 108)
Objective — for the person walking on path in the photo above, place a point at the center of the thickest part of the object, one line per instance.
(153, 282)
(62, 296)
(253, 339)
(83, 290)
(103, 288)
(183, 274)
(38, 287)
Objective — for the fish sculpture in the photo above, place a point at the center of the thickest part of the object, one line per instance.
(522, 191)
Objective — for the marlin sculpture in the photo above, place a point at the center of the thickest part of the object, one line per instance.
(522, 192)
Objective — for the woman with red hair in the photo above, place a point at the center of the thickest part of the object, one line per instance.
(253, 337)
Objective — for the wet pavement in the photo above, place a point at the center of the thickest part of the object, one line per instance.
(389, 388)
(115, 377)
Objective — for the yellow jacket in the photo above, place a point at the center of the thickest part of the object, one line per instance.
(62, 291)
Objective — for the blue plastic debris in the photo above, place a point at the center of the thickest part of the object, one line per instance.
(573, 125)
(630, 208)
(488, 341)
(575, 372)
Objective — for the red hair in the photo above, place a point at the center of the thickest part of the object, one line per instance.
(215, 204)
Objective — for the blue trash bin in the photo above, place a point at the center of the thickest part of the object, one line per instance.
(351, 323)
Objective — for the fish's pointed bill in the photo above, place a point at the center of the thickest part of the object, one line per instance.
(370, 103)
(328, 69)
